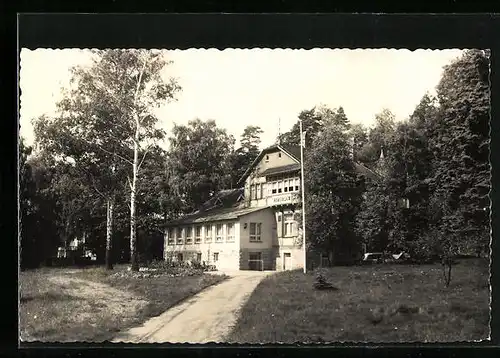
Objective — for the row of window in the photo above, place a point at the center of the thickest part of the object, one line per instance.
(180, 236)
(215, 256)
(274, 187)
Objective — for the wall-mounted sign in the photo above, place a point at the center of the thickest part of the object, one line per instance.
(283, 199)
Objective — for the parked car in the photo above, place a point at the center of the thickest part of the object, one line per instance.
(399, 257)
(373, 258)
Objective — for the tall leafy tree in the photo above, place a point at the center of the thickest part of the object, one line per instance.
(333, 191)
(311, 124)
(199, 162)
(110, 109)
(461, 180)
(27, 208)
(359, 135)
(380, 134)
(246, 153)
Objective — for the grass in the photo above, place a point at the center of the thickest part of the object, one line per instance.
(92, 304)
(380, 303)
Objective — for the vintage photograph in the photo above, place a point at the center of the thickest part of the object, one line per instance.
(254, 195)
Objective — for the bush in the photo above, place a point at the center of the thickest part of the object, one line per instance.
(178, 268)
(321, 283)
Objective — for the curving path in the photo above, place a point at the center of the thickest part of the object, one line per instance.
(206, 317)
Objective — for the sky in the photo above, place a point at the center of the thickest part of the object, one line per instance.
(263, 87)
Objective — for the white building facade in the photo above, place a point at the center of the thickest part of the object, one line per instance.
(256, 227)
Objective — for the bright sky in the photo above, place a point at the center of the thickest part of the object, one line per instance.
(257, 87)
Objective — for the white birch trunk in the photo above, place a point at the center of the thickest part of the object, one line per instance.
(133, 187)
(109, 234)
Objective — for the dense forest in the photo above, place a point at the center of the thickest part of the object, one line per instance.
(97, 168)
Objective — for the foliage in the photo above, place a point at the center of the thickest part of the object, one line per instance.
(106, 123)
(437, 163)
(461, 178)
(199, 162)
(244, 156)
(360, 142)
(333, 190)
(312, 123)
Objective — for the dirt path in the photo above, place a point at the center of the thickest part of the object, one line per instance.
(109, 300)
(206, 317)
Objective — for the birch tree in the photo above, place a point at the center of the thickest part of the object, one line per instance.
(109, 118)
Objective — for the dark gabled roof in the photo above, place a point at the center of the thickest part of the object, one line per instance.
(223, 199)
(214, 215)
(282, 169)
(291, 150)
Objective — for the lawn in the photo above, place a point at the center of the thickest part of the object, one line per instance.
(379, 303)
(92, 304)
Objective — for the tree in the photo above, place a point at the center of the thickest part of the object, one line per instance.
(333, 192)
(243, 157)
(462, 174)
(157, 203)
(250, 139)
(360, 140)
(311, 124)
(27, 206)
(42, 209)
(381, 133)
(110, 110)
(199, 159)
(372, 219)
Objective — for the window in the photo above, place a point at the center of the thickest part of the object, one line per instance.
(208, 233)
(218, 233)
(179, 257)
(230, 232)
(216, 256)
(267, 158)
(279, 154)
(262, 190)
(297, 184)
(290, 185)
(289, 224)
(198, 256)
(179, 236)
(280, 225)
(189, 235)
(286, 185)
(274, 187)
(252, 192)
(258, 193)
(170, 237)
(255, 231)
(197, 236)
(280, 186)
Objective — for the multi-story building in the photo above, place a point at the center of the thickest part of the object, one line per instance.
(255, 227)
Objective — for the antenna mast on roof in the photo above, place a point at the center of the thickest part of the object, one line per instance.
(278, 139)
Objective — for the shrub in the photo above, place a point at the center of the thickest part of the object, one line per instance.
(321, 283)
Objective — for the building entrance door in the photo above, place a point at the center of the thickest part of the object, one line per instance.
(255, 261)
(287, 261)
